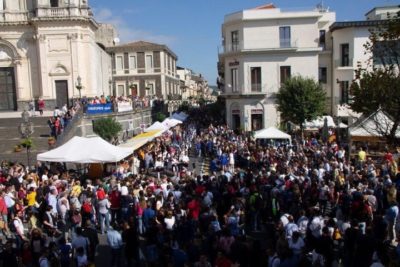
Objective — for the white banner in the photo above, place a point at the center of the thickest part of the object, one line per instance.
(124, 106)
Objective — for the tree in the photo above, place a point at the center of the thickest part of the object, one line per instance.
(300, 99)
(377, 85)
(159, 116)
(107, 128)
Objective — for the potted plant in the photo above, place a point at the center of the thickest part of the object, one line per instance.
(51, 141)
(17, 148)
(27, 143)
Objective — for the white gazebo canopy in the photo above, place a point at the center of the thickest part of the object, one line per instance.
(86, 150)
(171, 122)
(374, 125)
(319, 123)
(272, 133)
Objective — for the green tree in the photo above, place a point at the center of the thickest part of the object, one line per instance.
(377, 85)
(159, 116)
(300, 99)
(107, 128)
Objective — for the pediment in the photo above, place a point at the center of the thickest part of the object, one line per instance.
(59, 70)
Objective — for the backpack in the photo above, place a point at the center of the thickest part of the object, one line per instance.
(12, 226)
(87, 207)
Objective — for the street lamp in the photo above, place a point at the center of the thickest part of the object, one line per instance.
(79, 85)
(26, 130)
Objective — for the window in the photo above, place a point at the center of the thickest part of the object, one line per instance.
(344, 92)
(322, 75)
(255, 79)
(345, 57)
(119, 64)
(284, 36)
(54, 3)
(132, 62)
(235, 80)
(386, 52)
(150, 89)
(149, 62)
(235, 40)
(120, 90)
(322, 43)
(285, 73)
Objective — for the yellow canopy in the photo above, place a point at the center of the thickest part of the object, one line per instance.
(141, 139)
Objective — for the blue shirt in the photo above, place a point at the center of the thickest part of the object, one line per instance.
(114, 239)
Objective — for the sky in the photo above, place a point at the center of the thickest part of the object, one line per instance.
(192, 28)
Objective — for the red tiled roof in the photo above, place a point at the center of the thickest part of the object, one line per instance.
(267, 6)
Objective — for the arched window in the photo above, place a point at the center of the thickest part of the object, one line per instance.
(54, 3)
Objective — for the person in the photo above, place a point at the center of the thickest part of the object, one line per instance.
(391, 218)
(114, 240)
(19, 230)
(80, 241)
(7, 256)
(91, 234)
(32, 107)
(103, 206)
(41, 105)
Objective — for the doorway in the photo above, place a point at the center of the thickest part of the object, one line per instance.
(8, 96)
(62, 93)
(256, 122)
(236, 121)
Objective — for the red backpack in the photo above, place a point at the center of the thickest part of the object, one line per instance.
(87, 207)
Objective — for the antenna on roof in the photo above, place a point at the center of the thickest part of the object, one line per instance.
(321, 7)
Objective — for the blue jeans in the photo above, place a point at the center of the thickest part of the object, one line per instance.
(104, 220)
(141, 229)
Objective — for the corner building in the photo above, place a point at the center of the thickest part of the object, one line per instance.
(261, 48)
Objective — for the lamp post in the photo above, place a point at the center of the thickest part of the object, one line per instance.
(26, 130)
(79, 85)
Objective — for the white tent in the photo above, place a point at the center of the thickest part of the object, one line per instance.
(85, 150)
(374, 125)
(156, 126)
(272, 133)
(171, 122)
(319, 123)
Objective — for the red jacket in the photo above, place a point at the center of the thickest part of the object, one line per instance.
(115, 199)
(3, 207)
(194, 209)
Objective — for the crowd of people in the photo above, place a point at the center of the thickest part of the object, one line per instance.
(61, 118)
(136, 102)
(299, 205)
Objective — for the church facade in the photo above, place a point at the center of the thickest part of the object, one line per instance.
(46, 47)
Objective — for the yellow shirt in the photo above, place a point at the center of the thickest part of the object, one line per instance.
(362, 155)
(31, 197)
(76, 190)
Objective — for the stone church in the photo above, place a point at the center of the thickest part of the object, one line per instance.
(46, 46)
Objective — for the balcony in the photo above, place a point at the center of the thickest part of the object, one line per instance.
(256, 88)
(62, 12)
(343, 63)
(260, 45)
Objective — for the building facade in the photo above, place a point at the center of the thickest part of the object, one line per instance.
(45, 46)
(348, 40)
(144, 69)
(263, 47)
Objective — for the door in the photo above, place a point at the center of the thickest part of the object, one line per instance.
(235, 121)
(62, 93)
(8, 96)
(256, 122)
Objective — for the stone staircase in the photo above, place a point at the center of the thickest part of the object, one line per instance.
(10, 137)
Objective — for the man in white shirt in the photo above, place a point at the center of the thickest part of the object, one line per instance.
(19, 229)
